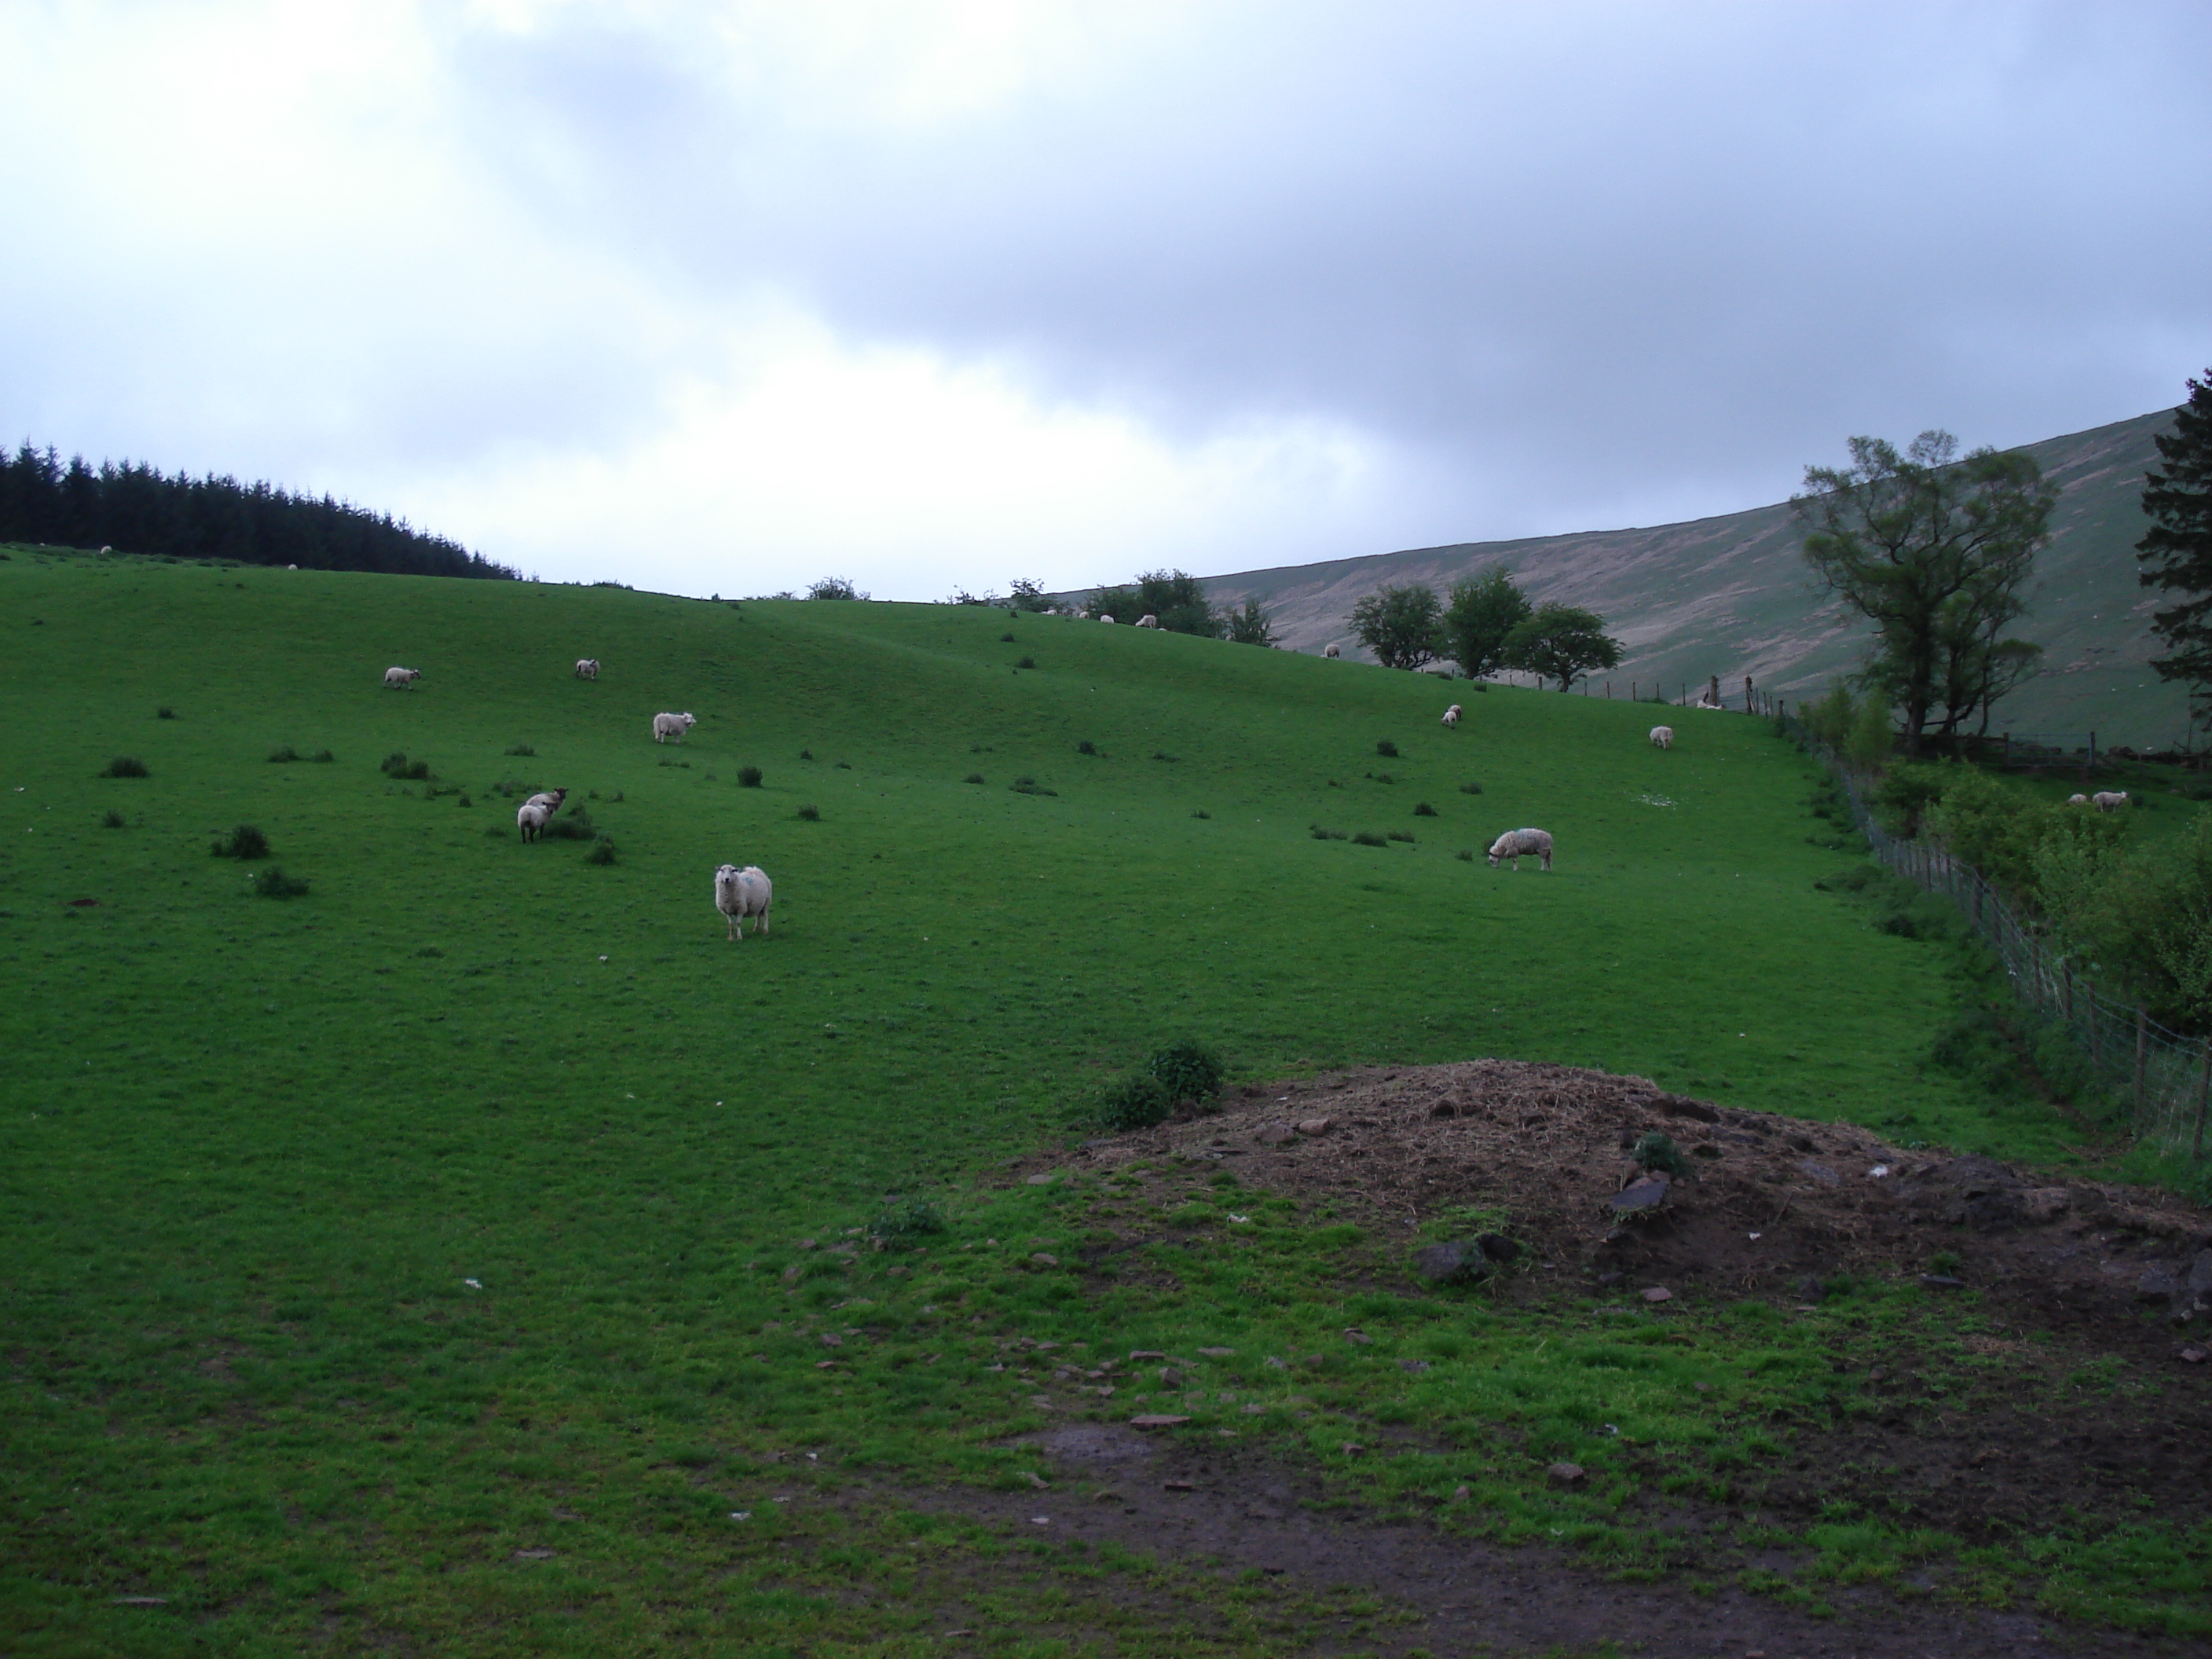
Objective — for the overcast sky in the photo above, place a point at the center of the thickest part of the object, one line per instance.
(725, 298)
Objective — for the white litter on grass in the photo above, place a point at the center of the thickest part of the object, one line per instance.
(1754, 1238)
(472, 1284)
(1040, 1520)
(741, 1515)
(1878, 1172)
(1233, 1216)
(602, 958)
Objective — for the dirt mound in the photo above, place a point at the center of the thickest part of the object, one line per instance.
(1760, 1204)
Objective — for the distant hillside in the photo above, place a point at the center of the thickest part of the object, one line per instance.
(1731, 596)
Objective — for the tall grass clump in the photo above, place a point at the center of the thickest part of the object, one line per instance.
(812, 813)
(522, 749)
(973, 777)
(284, 755)
(1423, 809)
(273, 882)
(112, 819)
(245, 842)
(603, 852)
(1387, 748)
(576, 825)
(165, 713)
(1086, 747)
(1368, 838)
(749, 777)
(126, 766)
(397, 765)
(1470, 788)
(904, 1223)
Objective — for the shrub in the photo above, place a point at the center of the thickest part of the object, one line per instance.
(1470, 789)
(1086, 747)
(905, 1221)
(1006, 639)
(1188, 1071)
(245, 842)
(749, 777)
(282, 754)
(112, 819)
(1026, 662)
(522, 749)
(165, 713)
(1368, 838)
(464, 801)
(126, 766)
(811, 814)
(1402, 835)
(1658, 1151)
(397, 765)
(1135, 1102)
(603, 852)
(573, 826)
(1387, 748)
(1423, 809)
(273, 882)
(973, 777)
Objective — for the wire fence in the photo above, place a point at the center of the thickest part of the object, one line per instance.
(2165, 1076)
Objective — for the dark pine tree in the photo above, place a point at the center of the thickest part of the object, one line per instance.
(2177, 550)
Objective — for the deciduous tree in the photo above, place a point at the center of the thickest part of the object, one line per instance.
(1484, 610)
(1561, 642)
(1402, 626)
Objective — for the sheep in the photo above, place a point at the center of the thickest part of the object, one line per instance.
(1662, 737)
(400, 678)
(1515, 843)
(1451, 715)
(2110, 800)
(588, 668)
(2077, 800)
(550, 799)
(1148, 621)
(530, 818)
(1331, 651)
(742, 893)
(1106, 619)
(665, 726)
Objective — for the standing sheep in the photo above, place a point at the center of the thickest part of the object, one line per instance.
(1331, 651)
(2110, 800)
(530, 818)
(550, 799)
(1148, 621)
(742, 893)
(1516, 844)
(1106, 619)
(588, 668)
(1662, 737)
(2077, 800)
(400, 678)
(667, 726)
(1451, 715)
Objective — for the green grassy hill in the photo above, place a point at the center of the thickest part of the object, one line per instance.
(253, 1150)
(1731, 596)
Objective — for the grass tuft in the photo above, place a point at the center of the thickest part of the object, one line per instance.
(1086, 747)
(273, 882)
(1026, 662)
(812, 813)
(1387, 748)
(749, 777)
(522, 749)
(397, 765)
(1423, 809)
(284, 755)
(245, 842)
(1470, 788)
(165, 713)
(1406, 835)
(1368, 838)
(603, 852)
(112, 819)
(126, 766)
(973, 777)
(1200, 812)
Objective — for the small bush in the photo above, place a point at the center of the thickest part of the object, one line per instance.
(904, 1223)
(1200, 812)
(1135, 1102)
(1423, 809)
(1470, 789)
(245, 842)
(522, 749)
(973, 777)
(749, 777)
(1387, 748)
(603, 852)
(284, 755)
(126, 766)
(811, 814)
(464, 801)
(844, 766)
(1026, 662)
(165, 713)
(1006, 639)
(1402, 835)
(273, 882)
(575, 825)
(112, 819)
(1464, 856)
(1086, 747)
(1658, 1151)
(1188, 1071)
(1368, 838)
(397, 765)
(1320, 834)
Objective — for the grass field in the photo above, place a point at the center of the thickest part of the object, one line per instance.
(348, 1238)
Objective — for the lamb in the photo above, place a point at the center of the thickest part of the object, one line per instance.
(1104, 618)
(1148, 621)
(665, 726)
(2077, 800)
(2110, 800)
(742, 893)
(1451, 715)
(1515, 843)
(401, 678)
(1331, 651)
(588, 668)
(1662, 737)
(531, 819)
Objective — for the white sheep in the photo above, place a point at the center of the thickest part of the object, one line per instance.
(401, 678)
(1331, 651)
(665, 726)
(588, 668)
(531, 819)
(1451, 715)
(1662, 737)
(1105, 618)
(1517, 843)
(1148, 621)
(2110, 800)
(550, 799)
(2077, 800)
(742, 893)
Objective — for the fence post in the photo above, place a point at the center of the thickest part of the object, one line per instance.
(2203, 1095)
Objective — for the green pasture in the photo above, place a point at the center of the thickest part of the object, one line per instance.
(253, 1151)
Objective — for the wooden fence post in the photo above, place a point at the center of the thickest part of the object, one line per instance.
(2203, 1095)
(2143, 1047)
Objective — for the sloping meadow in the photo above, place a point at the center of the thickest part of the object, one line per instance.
(381, 1223)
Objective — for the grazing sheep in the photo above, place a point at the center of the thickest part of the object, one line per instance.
(742, 893)
(401, 678)
(550, 799)
(2077, 800)
(2110, 800)
(531, 819)
(1331, 651)
(588, 668)
(1105, 619)
(1451, 715)
(1148, 621)
(1515, 844)
(665, 726)
(1662, 737)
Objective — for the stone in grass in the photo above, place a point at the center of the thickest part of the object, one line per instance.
(1277, 1134)
(1459, 1262)
(1156, 1420)
(1646, 1193)
(1316, 1125)
(1657, 1293)
(1043, 1178)
(1566, 1475)
(1354, 1334)
(1217, 1353)
(1147, 1353)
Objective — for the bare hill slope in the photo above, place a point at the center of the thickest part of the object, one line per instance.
(1731, 596)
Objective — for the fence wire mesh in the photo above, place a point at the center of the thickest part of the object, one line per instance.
(2165, 1076)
